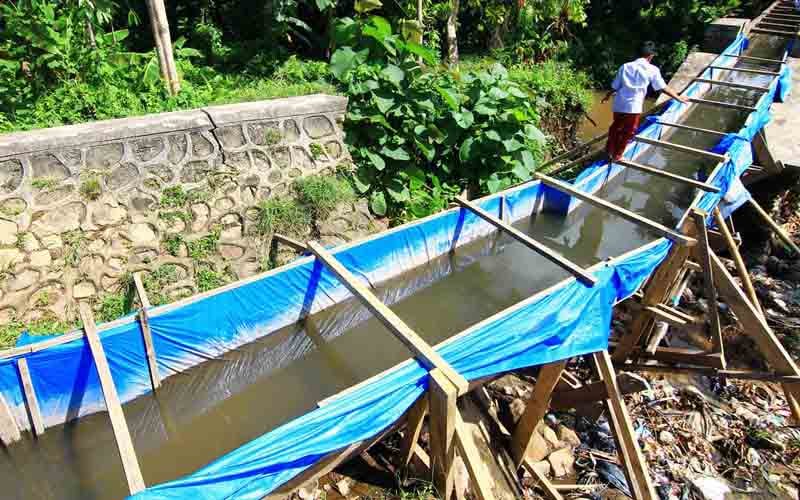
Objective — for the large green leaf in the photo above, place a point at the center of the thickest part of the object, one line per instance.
(521, 171)
(377, 203)
(397, 153)
(323, 5)
(398, 191)
(362, 6)
(465, 151)
(512, 145)
(493, 135)
(393, 73)
(450, 97)
(384, 103)
(528, 160)
(494, 184)
(376, 160)
(342, 61)
(428, 56)
(464, 119)
(534, 134)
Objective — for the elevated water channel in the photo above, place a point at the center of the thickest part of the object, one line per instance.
(215, 407)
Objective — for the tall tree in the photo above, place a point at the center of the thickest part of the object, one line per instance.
(452, 33)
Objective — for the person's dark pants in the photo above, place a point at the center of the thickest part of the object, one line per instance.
(620, 133)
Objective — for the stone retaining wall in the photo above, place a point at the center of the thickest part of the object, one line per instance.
(81, 206)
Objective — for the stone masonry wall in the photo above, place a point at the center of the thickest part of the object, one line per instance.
(81, 206)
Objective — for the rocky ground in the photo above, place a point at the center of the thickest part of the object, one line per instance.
(703, 439)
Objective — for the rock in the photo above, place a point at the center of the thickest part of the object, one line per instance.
(29, 242)
(461, 478)
(106, 215)
(539, 449)
(41, 258)
(711, 488)
(141, 234)
(568, 436)
(543, 466)
(517, 408)
(562, 462)
(343, 486)
(83, 290)
(9, 257)
(550, 436)
(666, 437)
(8, 232)
(52, 242)
(308, 493)
(23, 280)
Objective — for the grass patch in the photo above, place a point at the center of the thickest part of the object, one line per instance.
(205, 246)
(321, 194)
(44, 183)
(281, 215)
(73, 245)
(173, 197)
(317, 151)
(91, 189)
(209, 279)
(172, 244)
(10, 332)
(272, 136)
(156, 282)
(175, 215)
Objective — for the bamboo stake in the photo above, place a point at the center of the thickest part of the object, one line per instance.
(703, 255)
(721, 104)
(125, 447)
(161, 31)
(692, 129)
(782, 234)
(668, 175)
(9, 430)
(737, 259)
(746, 70)
(30, 397)
(679, 147)
(546, 381)
(147, 336)
(416, 417)
(443, 409)
(481, 480)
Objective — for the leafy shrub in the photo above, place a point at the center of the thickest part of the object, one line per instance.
(281, 215)
(420, 135)
(320, 194)
(91, 189)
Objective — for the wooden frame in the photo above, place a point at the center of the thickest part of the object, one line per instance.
(723, 83)
(721, 104)
(580, 274)
(746, 70)
(692, 129)
(753, 58)
(668, 175)
(702, 253)
(679, 147)
(147, 336)
(37, 422)
(622, 212)
(9, 430)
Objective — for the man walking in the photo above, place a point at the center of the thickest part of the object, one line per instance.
(629, 89)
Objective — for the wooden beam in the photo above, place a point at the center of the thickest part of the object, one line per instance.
(9, 430)
(756, 327)
(416, 417)
(702, 253)
(736, 85)
(639, 478)
(546, 380)
(752, 58)
(733, 249)
(712, 372)
(127, 452)
(550, 491)
(679, 147)
(556, 258)
(622, 212)
(782, 234)
(747, 70)
(421, 349)
(722, 104)
(572, 398)
(442, 424)
(147, 336)
(290, 242)
(686, 356)
(776, 24)
(481, 480)
(683, 126)
(668, 175)
(783, 34)
(37, 423)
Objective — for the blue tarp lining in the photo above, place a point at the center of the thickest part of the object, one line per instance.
(569, 320)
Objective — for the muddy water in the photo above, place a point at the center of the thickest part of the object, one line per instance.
(222, 404)
(601, 116)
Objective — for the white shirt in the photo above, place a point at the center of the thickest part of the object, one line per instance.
(631, 84)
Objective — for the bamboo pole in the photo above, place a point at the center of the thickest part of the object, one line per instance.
(147, 336)
(546, 381)
(723, 83)
(37, 423)
(737, 259)
(158, 18)
(668, 175)
(782, 234)
(703, 255)
(9, 430)
(442, 403)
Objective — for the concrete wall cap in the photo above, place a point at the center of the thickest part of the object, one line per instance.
(276, 108)
(69, 136)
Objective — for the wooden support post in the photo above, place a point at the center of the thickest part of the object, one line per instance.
(668, 175)
(679, 147)
(755, 326)
(424, 352)
(657, 290)
(690, 128)
(733, 249)
(763, 155)
(550, 491)
(127, 452)
(722, 104)
(752, 58)
(443, 409)
(9, 430)
(703, 255)
(538, 247)
(622, 212)
(724, 83)
(634, 463)
(147, 336)
(522, 439)
(37, 423)
(290, 242)
(481, 481)
(782, 234)
(414, 421)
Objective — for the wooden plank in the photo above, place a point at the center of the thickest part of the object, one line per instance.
(290, 242)
(416, 417)
(127, 452)
(580, 274)
(683, 126)
(722, 104)
(712, 372)
(668, 175)
(572, 398)
(37, 423)
(9, 430)
(782, 234)
(747, 70)
(481, 481)
(442, 424)
(546, 381)
(424, 352)
(777, 25)
(783, 34)
(686, 356)
(622, 212)
(639, 478)
(549, 490)
(147, 336)
(702, 253)
(679, 147)
(741, 269)
(755, 326)
(753, 58)
(735, 85)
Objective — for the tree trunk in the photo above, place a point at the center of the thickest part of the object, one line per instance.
(452, 34)
(90, 34)
(158, 19)
(420, 20)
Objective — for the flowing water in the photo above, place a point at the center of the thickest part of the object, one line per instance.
(215, 407)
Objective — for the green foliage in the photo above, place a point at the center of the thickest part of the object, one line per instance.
(90, 188)
(44, 183)
(272, 136)
(10, 331)
(203, 247)
(155, 283)
(209, 279)
(321, 194)
(73, 246)
(172, 244)
(281, 215)
(317, 151)
(113, 306)
(418, 135)
(173, 197)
